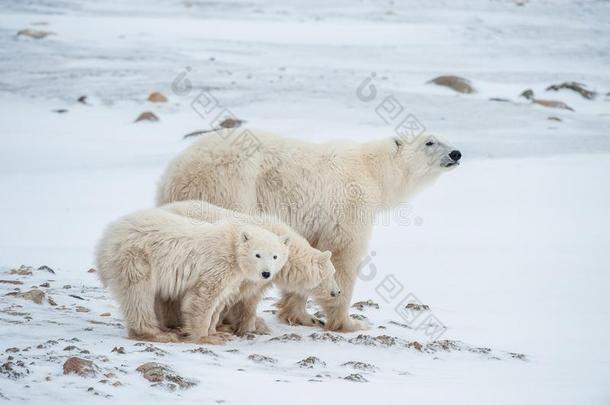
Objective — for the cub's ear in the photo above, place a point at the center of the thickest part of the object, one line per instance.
(285, 239)
(245, 236)
(325, 256)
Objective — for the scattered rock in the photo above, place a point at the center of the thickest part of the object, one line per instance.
(13, 282)
(355, 378)
(554, 119)
(327, 337)
(47, 269)
(386, 340)
(156, 97)
(152, 349)
(45, 285)
(119, 350)
(67, 287)
(501, 100)
(358, 317)
(12, 350)
(368, 340)
(60, 111)
(163, 376)
(76, 296)
(553, 104)
(105, 314)
(288, 337)
(203, 350)
(228, 123)
(402, 325)
(35, 34)
(456, 83)
(528, 94)
(359, 365)
(82, 100)
(415, 345)
(259, 358)
(33, 295)
(311, 362)
(518, 356)
(82, 309)
(47, 344)
(22, 271)
(51, 301)
(574, 86)
(147, 116)
(14, 370)
(417, 307)
(91, 271)
(365, 304)
(81, 367)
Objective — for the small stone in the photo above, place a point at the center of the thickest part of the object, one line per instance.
(203, 350)
(355, 378)
(45, 285)
(415, 345)
(311, 362)
(12, 350)
(82, 309)
(91, 271)
(228, 123)
(105, 314)
(156, 97)
(22, 271)
(147, 116)
(359, 365)
(554, 119)
(288, 337)
(259, 358)
(456, 83)
(553, 104)
(14, 370)
(327, 337)
(51, 301)
(82, 100)
(12, 282)
(33, 295)
(417, 307)
(574, 86)
(365, 304)
(163, 376)
(76, 296)
(47, 269)
(119, 350)
(35, 34)
(81, 367)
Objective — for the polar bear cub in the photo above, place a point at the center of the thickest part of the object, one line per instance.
(306, 272)
(155, 253)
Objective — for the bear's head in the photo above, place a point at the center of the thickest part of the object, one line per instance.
(418, 160)
(325, 284)
(260, 253)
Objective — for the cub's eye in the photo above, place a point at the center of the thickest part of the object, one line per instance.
(274, 257)
(429, 143)
(258, 256)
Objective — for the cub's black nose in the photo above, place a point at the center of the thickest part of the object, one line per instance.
(265, 274)
(335, 294)
(455, 155)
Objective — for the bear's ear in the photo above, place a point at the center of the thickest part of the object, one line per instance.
(245, 236)
(285, 239)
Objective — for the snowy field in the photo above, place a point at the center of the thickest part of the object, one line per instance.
(509, 251)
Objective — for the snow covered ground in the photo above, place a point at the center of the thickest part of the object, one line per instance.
(509, 251)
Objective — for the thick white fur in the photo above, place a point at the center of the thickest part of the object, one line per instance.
(306, 272)
(155, 253)
(329, 193)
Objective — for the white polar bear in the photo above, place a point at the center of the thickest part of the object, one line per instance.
(329, 193)
(155, 253)
(307, 270)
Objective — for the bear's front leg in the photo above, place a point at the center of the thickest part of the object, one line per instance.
(198, 312)
(292, 310)
(337, 309)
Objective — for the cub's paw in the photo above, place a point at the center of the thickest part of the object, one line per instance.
(346, 325)
(260, 327)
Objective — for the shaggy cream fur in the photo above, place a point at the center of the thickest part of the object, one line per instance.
(306, 272)
(155, 253)
(328, 193)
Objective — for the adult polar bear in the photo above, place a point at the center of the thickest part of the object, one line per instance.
(329, 193)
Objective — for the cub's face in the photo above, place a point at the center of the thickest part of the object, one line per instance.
(327, 287)
(260, 253)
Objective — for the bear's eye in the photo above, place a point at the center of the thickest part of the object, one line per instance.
(274, 257)
(429, 143)
(258, 256)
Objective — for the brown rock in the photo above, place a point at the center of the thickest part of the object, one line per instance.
(574, 86)
(231, 123)
(82, 309)
(105, 314)
(456, 83)
(156, 97)
(91, 271)
(13, 282)
(163, 375)
(35, 34)
(22, 271)
(81, 367)
(553, 104)
(34, 295)
(147, 116)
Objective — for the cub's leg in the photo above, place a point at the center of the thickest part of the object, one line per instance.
(169, 313)
(292, 310)
(138, 304)
(198, 310)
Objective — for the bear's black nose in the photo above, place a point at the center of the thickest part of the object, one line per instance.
(455, 155)
(335, 293)
(265, 274)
